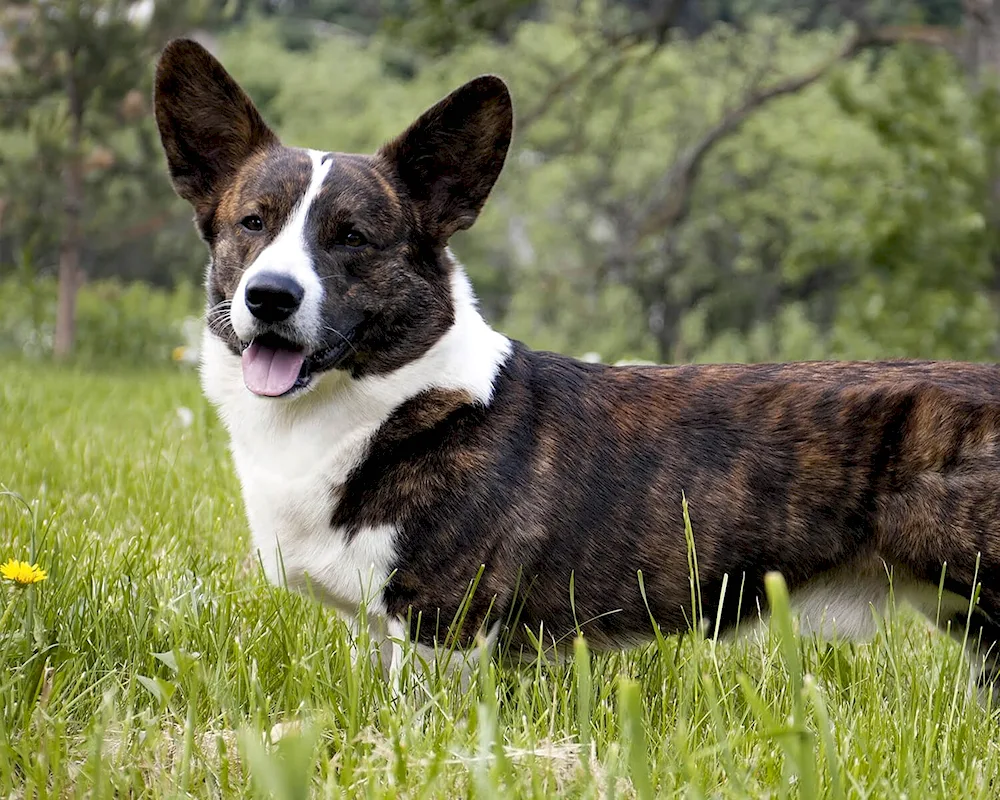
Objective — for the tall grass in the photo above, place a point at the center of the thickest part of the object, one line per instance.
(156, 662)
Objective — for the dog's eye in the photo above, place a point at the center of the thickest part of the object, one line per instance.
(252, 222)
(354, 239)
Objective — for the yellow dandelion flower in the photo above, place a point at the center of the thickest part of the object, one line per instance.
(21, 572)
(178, 353)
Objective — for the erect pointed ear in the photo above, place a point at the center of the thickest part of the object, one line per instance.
(451, 156)
(208, 125)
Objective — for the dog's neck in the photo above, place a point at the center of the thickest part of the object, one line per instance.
(465, 359)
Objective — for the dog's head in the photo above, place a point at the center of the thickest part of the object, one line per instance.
(325, 260)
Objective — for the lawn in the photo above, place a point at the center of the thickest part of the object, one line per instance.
(154, 660)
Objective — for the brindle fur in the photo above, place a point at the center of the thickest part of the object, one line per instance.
(576, 472)
(799, 468)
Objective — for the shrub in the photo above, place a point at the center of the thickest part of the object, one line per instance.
(118, 324)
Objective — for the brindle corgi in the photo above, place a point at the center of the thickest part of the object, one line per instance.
(393, 447)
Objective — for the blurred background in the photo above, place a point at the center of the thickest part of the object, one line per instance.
(691, 180)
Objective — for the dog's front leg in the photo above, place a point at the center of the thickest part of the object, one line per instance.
(396, 634)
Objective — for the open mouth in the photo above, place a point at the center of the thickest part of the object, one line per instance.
(275, 367)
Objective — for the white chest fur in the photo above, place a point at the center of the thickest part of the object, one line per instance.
(292, 456)
(291, 460)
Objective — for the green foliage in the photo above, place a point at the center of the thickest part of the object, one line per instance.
(859, 217)
(810, 232)
(83, 69)
(120, 324)
(438, 27)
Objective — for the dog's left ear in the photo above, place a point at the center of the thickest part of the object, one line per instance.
(452, 155)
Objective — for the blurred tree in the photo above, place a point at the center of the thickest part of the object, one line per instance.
(439, 26)
(749, 68)
(795, 185)
(303, 22)
(980, 54)
(77, 80)
(780, 226)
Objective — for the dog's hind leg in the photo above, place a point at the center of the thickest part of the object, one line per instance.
(945, 529)
(980, 634)
(983, 644)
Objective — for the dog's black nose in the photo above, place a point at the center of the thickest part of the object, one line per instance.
(272, 297)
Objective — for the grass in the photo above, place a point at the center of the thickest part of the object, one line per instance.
(156, 662)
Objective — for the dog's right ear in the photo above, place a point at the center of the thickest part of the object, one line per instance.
(208, 125)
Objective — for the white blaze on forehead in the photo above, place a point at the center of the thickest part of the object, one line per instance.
(289, 255)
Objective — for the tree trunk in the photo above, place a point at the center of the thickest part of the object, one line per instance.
(69, 249)
(981, 40)
(980, 52)
(3, 208)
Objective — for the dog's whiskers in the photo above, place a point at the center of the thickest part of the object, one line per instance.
(221, 316)
(221, 321)
(218, 322)
(218, 311)
(346, 340)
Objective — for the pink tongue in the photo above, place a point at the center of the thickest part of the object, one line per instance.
(270, 372)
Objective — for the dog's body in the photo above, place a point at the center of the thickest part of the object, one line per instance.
(391, 445)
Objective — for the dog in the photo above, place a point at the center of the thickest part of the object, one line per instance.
(396, 451)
